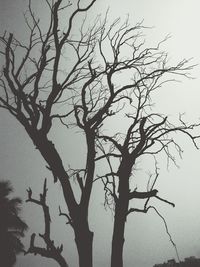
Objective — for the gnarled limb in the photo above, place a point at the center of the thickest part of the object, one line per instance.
(50, 251)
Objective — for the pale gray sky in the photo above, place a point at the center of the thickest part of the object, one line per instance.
(146, 239)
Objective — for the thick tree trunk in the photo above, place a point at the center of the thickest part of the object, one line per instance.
(118, 234)
(118, 241)
(84, 242)
(121, 209)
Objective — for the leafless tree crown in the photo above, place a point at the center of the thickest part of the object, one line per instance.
(93, 73)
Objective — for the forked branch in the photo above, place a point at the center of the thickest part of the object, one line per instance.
(50, 251)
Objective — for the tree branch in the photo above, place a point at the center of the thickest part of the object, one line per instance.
(50, 251)
(143, 195)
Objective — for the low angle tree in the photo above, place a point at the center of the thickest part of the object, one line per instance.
(12, 227)
(147, 133)
(32, 86)
(85, 77)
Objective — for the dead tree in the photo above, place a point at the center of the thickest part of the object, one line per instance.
(34, 82)
(109, 68)
(141, 72)
(145, 136)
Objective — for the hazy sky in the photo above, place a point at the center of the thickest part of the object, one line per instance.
(146, 239)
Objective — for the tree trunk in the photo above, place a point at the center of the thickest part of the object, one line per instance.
(83, 236)
(77, 212)
(84, 242)
(121, 209)
(118, 234)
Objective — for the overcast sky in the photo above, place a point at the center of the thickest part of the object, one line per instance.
(146, 240)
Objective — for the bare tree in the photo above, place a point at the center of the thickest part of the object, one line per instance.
(109, 70)
(32, 86)
(147, 132)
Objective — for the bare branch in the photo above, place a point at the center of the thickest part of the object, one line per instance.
(69, 220)
(166, 201)
(50, 251)
(143, 195)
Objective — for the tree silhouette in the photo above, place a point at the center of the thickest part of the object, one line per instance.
(147, 133)
(50, 251)
(12, 227)
(33, 97)
(73, 76)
